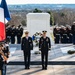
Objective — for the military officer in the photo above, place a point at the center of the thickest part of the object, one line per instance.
(27, 46)
(8, 33)
(19, 33)
(44, 47)
(73, 32)
(56, 33)
(13, 34)
(69, 34)
(64, 36)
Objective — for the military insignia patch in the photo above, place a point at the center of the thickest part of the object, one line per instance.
(29, 40)
(47, 39)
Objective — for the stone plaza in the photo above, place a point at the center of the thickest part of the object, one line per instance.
(57, 53)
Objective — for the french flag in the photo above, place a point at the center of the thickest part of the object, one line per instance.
(4, 18)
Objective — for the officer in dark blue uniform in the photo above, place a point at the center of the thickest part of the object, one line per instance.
(19, 33)
(13, 34)
(27, 46)
(65, 36)
(73, 32)
(8, 33)
(44, 47)
(56, 33)
(69, 34)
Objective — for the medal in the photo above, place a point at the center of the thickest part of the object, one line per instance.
(29, 40)
(47, 39)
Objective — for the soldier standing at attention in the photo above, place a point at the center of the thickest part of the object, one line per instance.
(56, 33)
(64, 36)
(13, 34)
(44, 47)
(73, 32)
(69, 33)
(8, 33)
(19, 33)
(27, 46)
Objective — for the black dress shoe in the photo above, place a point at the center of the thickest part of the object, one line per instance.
(25, 67)
(45, 68)
(28, 68)
(42, 68)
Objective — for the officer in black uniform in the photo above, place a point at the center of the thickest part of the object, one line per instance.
(27, 46)
(8, 33)
(13, 34)
(56, 33)
(73, 32)
(69, 34)
(61, 34)
(64, 36)
(44, 47)
(19, 33)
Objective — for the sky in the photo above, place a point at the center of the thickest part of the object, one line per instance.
(40, 1)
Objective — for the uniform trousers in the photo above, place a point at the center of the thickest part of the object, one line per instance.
(44, 58)
(73, 39)
(27, 55)
(18, 39)
(12, 39)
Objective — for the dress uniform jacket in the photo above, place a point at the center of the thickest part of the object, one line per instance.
(19, 33)
(73, 29)
(54, 32)
(73, 32)
(61, 33)
(27, 44)
(69, 34)
(56, 35)
(65, 37)
(8, 33)
(13, 34)
(44, 44)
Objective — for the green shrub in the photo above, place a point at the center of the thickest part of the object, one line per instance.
(71, 52)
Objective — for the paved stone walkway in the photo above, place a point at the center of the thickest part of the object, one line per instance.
(36, 70)
(57, 53)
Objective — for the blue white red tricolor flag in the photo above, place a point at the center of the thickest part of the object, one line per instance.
(4, 18)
